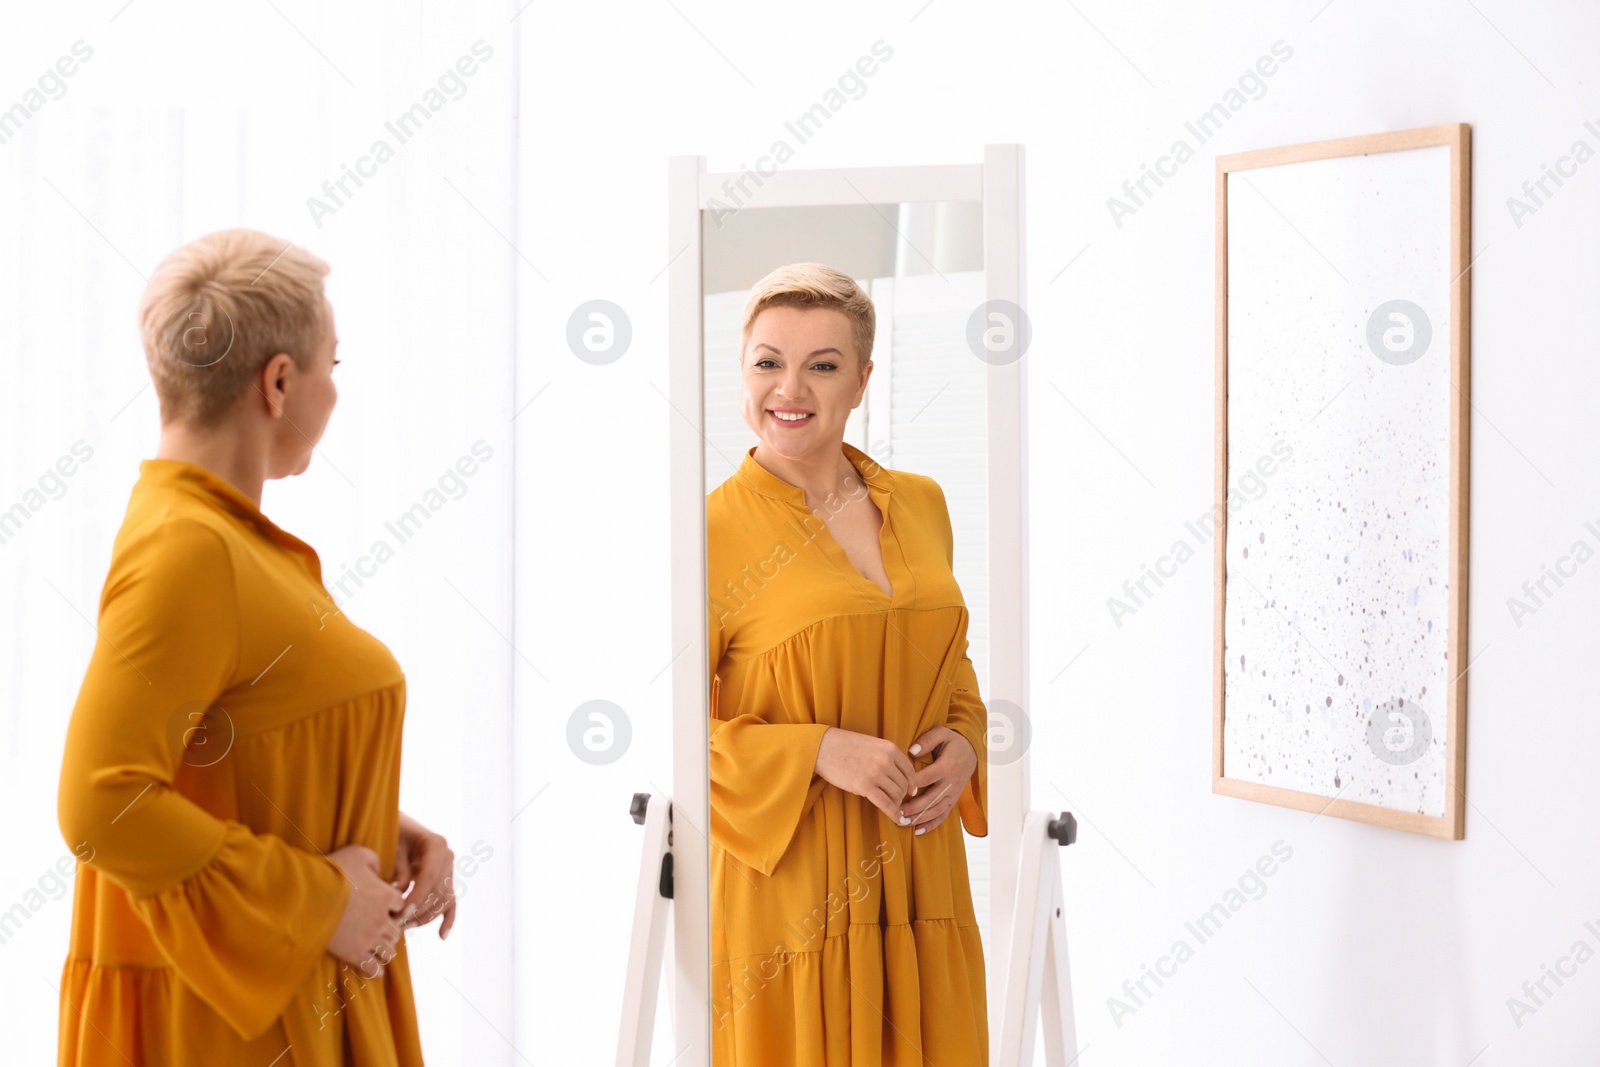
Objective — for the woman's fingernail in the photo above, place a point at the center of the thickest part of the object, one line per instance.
(920, 831)
(903, 820)
(916, 750)
(913, 790)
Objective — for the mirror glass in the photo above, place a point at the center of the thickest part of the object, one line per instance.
(790, 865)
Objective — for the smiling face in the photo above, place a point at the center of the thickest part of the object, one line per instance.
(801, 378)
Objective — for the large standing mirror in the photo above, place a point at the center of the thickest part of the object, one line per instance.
(808, 920)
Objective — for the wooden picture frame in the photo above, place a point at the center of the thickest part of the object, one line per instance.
(1249, 773)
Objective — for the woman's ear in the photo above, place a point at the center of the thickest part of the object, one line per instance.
(861, 390)
(273, 382)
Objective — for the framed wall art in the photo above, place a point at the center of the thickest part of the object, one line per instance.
(1342, 408)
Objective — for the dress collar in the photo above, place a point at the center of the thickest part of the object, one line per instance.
(763, 481)
(215, 490)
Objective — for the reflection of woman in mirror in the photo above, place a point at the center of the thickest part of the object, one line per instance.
(846, 725)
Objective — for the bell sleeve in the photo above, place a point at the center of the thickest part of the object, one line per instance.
(241, 917)
(969, 718)
(967, 715)
(763, 775)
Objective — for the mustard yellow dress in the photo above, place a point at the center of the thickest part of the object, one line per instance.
(839, 938)
(233, 727)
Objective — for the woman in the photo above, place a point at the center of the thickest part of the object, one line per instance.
(846, 725)
(231, 775)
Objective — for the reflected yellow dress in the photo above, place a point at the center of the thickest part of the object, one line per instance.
(839, 939)
(232, 728)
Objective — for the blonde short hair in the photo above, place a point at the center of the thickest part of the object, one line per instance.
(814, 285)
(217, 308)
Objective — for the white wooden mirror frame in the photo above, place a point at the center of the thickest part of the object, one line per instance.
(997, 184)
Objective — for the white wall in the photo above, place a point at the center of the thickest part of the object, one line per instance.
(1369, 946)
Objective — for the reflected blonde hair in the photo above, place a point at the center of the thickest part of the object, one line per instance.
(814, 285)
(216, 309)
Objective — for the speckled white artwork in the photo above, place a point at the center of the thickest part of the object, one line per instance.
(1336, 602)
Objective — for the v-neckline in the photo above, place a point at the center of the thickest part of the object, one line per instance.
(880, 486)
(883, 550)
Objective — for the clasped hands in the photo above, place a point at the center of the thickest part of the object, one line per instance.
(878, 770)
(378, 913)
